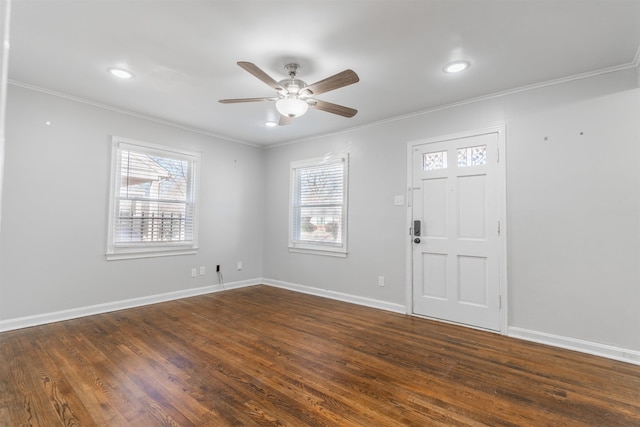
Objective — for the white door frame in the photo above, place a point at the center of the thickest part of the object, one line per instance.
(502, 200)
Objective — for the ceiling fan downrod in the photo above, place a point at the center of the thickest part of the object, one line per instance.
(292, 70)
(293, 86)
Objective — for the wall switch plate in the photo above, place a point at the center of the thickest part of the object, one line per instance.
(239, 265)
(194, 272)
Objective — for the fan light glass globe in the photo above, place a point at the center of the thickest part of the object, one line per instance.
(120, 73)
(291, 107)
(456, 67)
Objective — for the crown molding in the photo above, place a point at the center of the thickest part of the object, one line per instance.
(127, 112)
(494, 95)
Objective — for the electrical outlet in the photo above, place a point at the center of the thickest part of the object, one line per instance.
(202, 270)
(380, 280)
(194, 272)
(239, 265)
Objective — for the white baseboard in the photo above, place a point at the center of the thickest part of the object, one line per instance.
(74, 313)
(355, 299)
(589, 347)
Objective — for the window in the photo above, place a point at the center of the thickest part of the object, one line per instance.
(318, 206)
(153, 208)
(468, 156)
(435, 160)
(472, 156)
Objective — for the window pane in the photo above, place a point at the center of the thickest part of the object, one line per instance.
(320, 185)
(153, 177)
(321, 224)
(472, 156)
(435, 160)
(142, 221)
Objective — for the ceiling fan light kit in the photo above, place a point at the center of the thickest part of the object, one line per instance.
(291, 106)
(456, 67)
(121, 73)
(294, 96)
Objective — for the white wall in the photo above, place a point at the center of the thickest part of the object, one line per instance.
(572, 206)
(55, 201)
(573, 219)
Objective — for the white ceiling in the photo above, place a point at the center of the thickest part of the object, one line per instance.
(184, 54)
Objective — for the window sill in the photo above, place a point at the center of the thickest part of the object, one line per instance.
(338, 254)
(114, 256)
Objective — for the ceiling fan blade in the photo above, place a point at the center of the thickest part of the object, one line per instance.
(333, 108)
(264, 77)
(285, 120)
(342, 79)
(237, 100)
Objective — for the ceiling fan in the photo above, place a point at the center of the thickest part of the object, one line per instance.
(295, 97)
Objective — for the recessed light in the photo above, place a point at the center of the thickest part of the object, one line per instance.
(456, 67)
(271, 124)
(120, 73)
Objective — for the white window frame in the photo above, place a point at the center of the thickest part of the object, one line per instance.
(319, 248)
(116, 250)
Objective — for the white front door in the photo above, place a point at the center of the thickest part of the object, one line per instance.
(456, 251)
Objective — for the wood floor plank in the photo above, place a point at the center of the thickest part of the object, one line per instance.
(152, 372)
(267, 356)
(276, 365)
(251, 375)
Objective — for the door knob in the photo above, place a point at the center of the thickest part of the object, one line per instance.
(416, 240)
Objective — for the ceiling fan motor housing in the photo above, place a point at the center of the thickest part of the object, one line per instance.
(293, 86)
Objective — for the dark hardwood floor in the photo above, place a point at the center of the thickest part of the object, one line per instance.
(266, 356)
